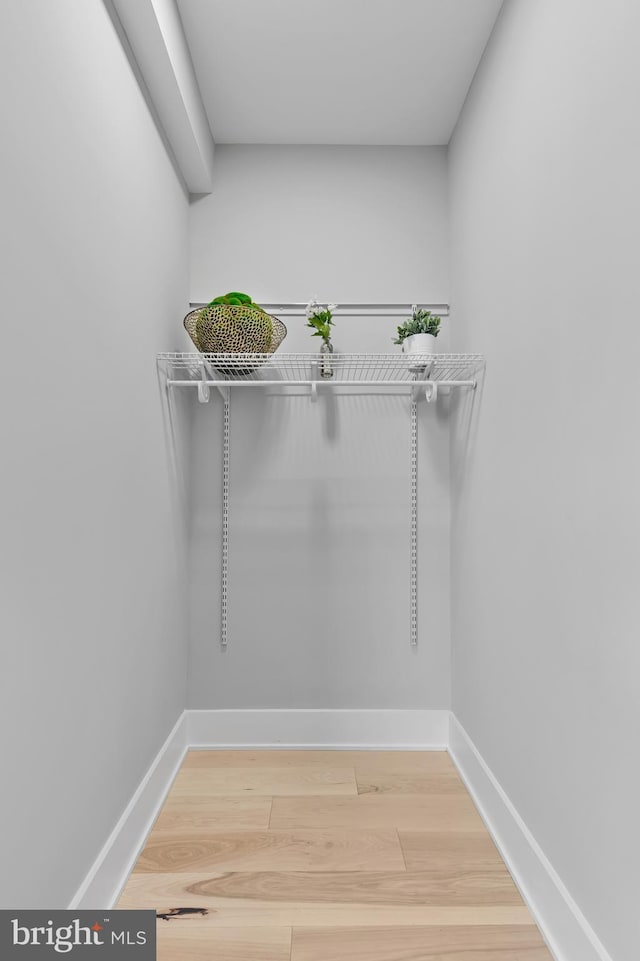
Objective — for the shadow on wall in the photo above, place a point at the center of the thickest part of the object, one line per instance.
(330, 410)
(175, 412)
(465, 407)
(433, 421)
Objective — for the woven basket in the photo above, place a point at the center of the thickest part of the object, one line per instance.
(230, 329)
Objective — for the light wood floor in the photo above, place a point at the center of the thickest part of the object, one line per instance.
(327, 856)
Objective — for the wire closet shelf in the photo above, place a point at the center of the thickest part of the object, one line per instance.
(305, 370)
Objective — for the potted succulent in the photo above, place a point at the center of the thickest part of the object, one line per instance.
(418, 335)
(320, 319)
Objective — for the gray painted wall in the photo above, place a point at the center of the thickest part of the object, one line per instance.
(94, 274)
(319, 552)
(546, 527)
(359, 224)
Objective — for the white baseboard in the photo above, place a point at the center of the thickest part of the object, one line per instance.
(110, 870)
(565, 929)
(335, 730)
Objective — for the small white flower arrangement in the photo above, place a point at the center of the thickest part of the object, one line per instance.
(320, 319)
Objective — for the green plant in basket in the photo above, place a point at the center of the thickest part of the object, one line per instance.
(233, 323)
(235, 299)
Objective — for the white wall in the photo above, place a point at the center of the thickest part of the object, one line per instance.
(94, 281)
(359, 224)
(319, 530)
(546, 526)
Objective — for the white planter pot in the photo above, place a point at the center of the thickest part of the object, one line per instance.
(419, 344)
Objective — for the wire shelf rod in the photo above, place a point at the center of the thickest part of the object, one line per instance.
(332, 382)
(346, 310)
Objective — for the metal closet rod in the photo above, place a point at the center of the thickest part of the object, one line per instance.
(351, 310)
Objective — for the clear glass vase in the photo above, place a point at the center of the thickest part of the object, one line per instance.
(326, 367)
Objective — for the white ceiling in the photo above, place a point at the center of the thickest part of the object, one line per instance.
(335, 71)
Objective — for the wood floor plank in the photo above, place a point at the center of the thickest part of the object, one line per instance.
(329, 897)
(236, 904)
(310, 850)
(191, 940)
(372, 779)
(470, 943)
(407, 812)
(187, 815)
(471, 853)
(364, 887)
(316, 780)
(391, 761)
